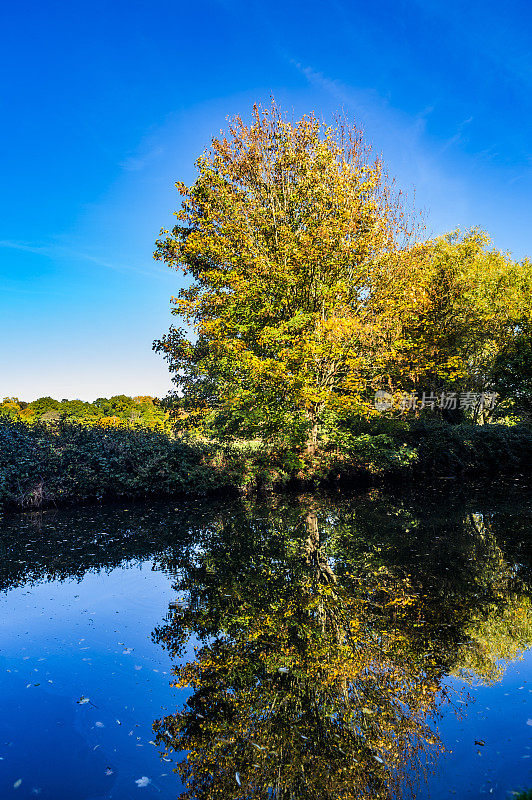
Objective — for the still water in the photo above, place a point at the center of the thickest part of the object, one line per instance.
(347, 646)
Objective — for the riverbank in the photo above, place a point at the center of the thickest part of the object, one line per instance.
(45, 465)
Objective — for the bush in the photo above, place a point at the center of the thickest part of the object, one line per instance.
(42, 464)
(466, 449)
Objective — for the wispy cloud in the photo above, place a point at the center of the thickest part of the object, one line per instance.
(458, 136)
(59, 251)
(333, 87)
(138, 162)
(412, 156)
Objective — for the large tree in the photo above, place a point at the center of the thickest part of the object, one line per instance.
(300, 258)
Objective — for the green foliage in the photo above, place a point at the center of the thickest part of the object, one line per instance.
(512, 373)
(42, 464)
(145, 411)
(470, 450)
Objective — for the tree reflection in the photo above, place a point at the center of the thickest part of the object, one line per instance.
(325, 632)
(325, 626)
(306, 683)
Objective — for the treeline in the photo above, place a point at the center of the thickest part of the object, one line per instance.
(105, 412)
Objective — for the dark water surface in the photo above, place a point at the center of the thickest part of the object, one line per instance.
(348, 646)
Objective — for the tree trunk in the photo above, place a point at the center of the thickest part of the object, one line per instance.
(312, 548)
(312, 441)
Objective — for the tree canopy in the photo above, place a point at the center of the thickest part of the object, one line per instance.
(293, 237)
(310, 286)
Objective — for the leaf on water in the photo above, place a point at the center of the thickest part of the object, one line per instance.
(108, 771)
(99, 724)
(142, 782)
(529, 722)
(237, 776)
(82, 700)
(17, 783)
(284, 670)
(481, 742)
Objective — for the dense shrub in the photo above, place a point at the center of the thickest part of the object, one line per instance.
(466, 450)
(42, 464)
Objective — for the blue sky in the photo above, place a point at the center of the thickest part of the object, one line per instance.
(105, 105)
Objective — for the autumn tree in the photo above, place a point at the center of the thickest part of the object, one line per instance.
(296, 247)
(470, 303)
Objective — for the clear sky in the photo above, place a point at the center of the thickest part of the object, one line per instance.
(105, 104)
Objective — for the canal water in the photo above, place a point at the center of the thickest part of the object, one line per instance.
(364, 645)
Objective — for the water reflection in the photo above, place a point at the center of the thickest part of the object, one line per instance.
(326, 630)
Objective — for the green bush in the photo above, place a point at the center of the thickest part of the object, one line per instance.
(466, 449)
(42, 464)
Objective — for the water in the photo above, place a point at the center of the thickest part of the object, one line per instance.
(346, 646)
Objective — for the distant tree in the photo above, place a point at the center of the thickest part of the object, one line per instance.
(42, 405)
(10, 406)
(79, 411)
